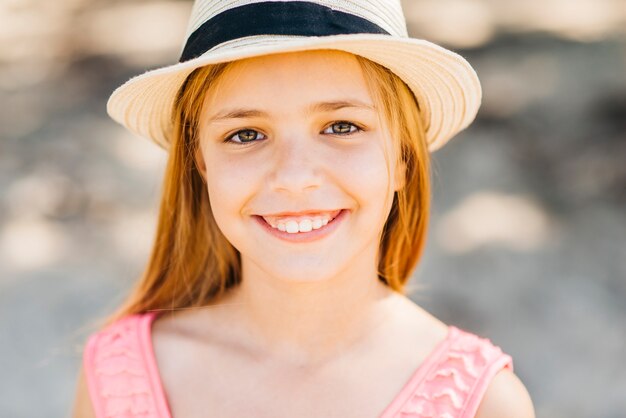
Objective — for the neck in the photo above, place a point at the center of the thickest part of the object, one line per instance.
(309, 323)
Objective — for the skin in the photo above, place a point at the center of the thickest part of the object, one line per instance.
(304, 302)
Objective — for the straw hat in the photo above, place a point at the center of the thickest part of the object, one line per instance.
(444, 83)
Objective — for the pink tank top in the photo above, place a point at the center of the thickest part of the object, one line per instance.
(123, 379)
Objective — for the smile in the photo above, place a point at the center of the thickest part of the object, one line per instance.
(298, 224)
(307, 230)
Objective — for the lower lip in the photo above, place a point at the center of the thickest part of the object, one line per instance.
(313, 235)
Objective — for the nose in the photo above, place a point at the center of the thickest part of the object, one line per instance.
(296, 165)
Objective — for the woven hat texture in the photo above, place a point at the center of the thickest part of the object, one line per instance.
(444, 83)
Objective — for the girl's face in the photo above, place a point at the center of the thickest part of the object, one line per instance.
(296, 132)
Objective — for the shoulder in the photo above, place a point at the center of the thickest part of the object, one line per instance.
(471, 373)
(113, 372)
(497, 392)
(482, 375)
(115, 339)
(124, 337)
(506, 397)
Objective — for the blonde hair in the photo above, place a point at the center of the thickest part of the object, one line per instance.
(193, 264)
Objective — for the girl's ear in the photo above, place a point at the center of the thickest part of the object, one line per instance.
(400, 176)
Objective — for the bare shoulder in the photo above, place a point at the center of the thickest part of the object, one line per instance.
(506, 397)
(414, 317)
(82, 408)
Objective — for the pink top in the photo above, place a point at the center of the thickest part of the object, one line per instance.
(124, 382)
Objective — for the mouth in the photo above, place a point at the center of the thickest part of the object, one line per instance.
(296, 222)
(304, 230)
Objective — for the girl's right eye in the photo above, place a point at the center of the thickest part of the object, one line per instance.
(245, 136)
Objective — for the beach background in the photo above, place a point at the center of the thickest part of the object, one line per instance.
(527, 242)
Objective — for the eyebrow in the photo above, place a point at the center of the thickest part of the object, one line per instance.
(242, 113)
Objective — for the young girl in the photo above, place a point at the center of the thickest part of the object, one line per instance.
(295, 207)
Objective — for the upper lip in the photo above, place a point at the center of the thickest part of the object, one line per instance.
(302, 213)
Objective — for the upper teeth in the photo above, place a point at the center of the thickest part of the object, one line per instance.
(303, 224)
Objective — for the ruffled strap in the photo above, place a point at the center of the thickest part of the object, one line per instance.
(457, 378)
(118, 363)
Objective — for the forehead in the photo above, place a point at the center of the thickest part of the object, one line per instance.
(290, 77)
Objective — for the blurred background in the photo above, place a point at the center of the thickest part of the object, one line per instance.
(527, 244)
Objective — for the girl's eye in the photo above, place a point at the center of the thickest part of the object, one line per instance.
(343, 128)
(245, 136)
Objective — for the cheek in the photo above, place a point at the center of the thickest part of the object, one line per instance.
(366, 171)
(229, 186)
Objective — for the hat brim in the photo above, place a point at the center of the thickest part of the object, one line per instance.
(444, 83)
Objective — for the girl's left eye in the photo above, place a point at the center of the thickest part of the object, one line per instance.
(344, 128)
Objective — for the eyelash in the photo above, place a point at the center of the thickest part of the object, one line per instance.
(228, 138)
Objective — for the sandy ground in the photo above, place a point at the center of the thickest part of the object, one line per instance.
(527, 243)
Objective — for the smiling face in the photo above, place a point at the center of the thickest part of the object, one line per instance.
(298, 132)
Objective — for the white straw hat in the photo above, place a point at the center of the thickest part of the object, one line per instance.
(446, 86)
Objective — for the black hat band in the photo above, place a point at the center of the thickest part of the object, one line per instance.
(274, 18)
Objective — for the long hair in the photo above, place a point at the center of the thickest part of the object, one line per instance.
(192, 264)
